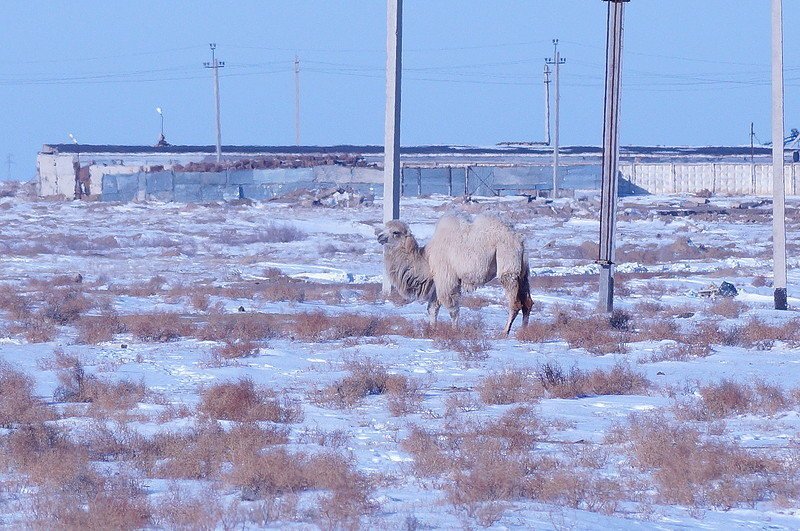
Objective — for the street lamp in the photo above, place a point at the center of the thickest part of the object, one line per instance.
(161, 140)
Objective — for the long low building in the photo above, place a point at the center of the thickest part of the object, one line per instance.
(191, 173)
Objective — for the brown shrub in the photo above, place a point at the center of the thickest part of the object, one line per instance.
(239, 327)
(318, 326)
(729, 308)
(98, 329)
(597, 334)
(18, 405)
(160, 326)
(467, 339)
(619, 380)
(180, 509)
(270, 233)
(691, 471)
(17, 306)
(403, 394)
(729, 398)
(64, 305)
(236, 349)
(243, 401)
(367, 377)
(510, 386)
(109, 502)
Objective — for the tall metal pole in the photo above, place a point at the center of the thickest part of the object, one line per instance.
(547, 104)
(608, 199)
(296, 100)
(391, 144)
(778, 183)
(556, 61)
(216, 64)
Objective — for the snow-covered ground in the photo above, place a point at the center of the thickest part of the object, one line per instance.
(145, 258)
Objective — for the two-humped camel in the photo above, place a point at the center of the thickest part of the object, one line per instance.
(461, 256)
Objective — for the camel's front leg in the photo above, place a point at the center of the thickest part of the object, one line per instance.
(433, 310)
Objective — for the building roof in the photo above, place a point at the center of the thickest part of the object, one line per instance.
(629, 151)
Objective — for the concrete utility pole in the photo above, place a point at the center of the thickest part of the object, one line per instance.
(391, 144)
(608, 198)
(778, 184)
(556, 61)
(216, 64)
(546, 103)
(296, 100)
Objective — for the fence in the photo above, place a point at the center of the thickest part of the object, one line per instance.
(455, 180)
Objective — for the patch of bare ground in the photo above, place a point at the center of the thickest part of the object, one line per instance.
(366, 377)
(689, 469)
(728, 398)
(244, 401)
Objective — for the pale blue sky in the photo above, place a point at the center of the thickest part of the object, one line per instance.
(695, 72)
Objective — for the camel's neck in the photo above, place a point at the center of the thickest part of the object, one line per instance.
(409, 272)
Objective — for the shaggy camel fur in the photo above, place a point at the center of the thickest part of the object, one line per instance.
(460, 256)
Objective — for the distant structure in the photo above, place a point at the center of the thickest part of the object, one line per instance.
(191, 173)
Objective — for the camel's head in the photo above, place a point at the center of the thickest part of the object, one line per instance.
(394, 232)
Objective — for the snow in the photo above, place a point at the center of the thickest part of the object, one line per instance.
(183, 244)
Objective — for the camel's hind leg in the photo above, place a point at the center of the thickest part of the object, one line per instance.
(524, 297)
(511, 285)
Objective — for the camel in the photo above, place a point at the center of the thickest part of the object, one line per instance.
(461, 255)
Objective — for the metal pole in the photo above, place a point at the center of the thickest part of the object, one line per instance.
(778, 182)
(608, 199)
(546, 104)
(216, 64)
(296, 100)
(391, 144)
(556, 61)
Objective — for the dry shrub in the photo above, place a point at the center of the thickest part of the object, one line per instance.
(467, 339)
(575, 383)
(537, 332)
(243, 401)
(690, 470)
(200, 300)
(180, 509)
(105, 502)
(239, 327)
(403, 394)
(490, 461)
(235, 349)
(64, 305)
(678, 352)
(728, 398)
(317, 326)
(367, 377)
(458, 403)
(77, 386)
(320, 437)
(270, 233)
(158, 326)
(100, 328)
(17, 306)
(18, 405)
(597, 334)
(201, 452)
(759, 281)
(154, 286)
(727, 307)
(510, 386)
(46, 457)
(278, 472)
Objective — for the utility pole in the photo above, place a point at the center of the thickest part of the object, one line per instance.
(778, 183)
(296, 100)
(546, 103)
(216, 64)
(9, 162)
(391, 144)
(556, 61)
(608, 197)
(752, 143)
